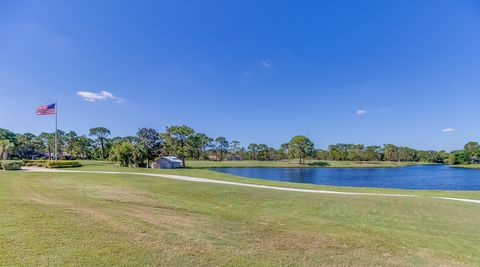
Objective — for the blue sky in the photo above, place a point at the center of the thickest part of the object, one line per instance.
(369, 72)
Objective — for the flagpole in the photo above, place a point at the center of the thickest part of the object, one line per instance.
(56, 125)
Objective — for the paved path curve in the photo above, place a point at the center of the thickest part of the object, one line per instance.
(205, 180)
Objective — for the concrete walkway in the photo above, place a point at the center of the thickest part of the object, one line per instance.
(205, 180)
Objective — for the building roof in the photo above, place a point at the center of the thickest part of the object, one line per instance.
(172, 159)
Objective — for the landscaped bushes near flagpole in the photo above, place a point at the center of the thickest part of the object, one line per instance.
(62, 164)
(52, 163)
(10, 165)
(35, 163)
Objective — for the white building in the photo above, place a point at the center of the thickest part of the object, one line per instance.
(167, 163)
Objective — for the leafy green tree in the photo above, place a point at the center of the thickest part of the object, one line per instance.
(71, 142)
(234, 147)
(117, 139)
(242, 153)
(452, 159)
(5, 146)
(444, 156)
(8, 140)
(123, 153)
(83, 147)
(472, 151)
(355, 152)
(149, 141)
(130, 139)
(39, 146)
(28, 146)
(48, 140)
(6, 134)
(221, 146)
(406, 154)
(321, 154)
(139, 155)
(283, 151)
(338, 152)
(263, 152)
(457, 157)
(199, 144)
(252, 151)
(276, 154)
(390, 152)
(101, 133)
(177, 140)
(301, 147)
(434, 157)
(373, 153)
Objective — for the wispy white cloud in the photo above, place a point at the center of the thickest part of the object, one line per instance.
(266, 64)
(448, 130)
(247, 75)
(103, 95)
(361, 112)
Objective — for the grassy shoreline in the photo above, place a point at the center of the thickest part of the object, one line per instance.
(467, 166)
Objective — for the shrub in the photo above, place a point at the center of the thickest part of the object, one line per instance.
(28, 162)
(62, 164)
(11, 165)
(35, 163)
(51, 163)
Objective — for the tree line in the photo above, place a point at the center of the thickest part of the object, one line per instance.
(185, 143)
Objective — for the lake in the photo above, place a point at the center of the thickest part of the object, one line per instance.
(431, 177)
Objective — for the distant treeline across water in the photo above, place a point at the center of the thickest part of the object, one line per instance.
(184, 142)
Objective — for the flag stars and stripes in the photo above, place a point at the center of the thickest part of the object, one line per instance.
(46, 110)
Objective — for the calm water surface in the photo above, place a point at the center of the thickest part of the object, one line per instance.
(432, 177)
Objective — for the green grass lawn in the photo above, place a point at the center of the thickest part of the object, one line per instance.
(468, 166)
(130, 220)
(295, 164)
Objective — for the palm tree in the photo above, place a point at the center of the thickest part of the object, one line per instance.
(101, 133)
(5, 146)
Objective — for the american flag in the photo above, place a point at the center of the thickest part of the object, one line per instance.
(46, 110)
